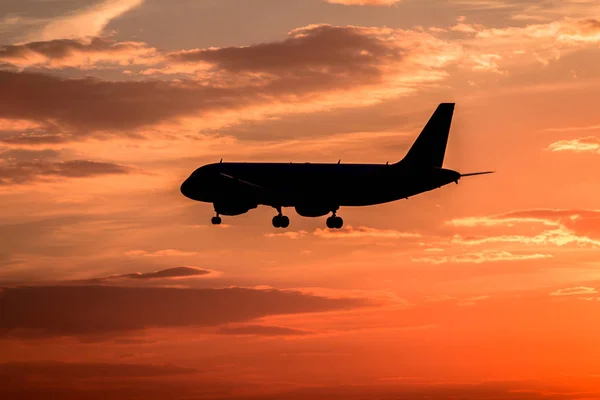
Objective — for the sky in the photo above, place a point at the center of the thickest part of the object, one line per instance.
(114, 285)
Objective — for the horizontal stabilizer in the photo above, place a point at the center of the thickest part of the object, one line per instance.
(477, 173)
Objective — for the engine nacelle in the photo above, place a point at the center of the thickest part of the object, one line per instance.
(233, 208)
(313, 211)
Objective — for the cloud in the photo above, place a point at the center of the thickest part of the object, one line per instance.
(81, 53)
(35, 139)
(260, 330)
(560, 227)
(590, 144)
(527, 10)
(289, 235)
(161, 253)
(317, 66)
(574, 128)
(471, 301)
(364, 232)
(55, 370)
(82, 23)
(481, 257)
(169, 273)
(105, 310)
(365, 2)
(349, 50)
(580, 290)
(35, 171)
(25, 381)
(497, 49)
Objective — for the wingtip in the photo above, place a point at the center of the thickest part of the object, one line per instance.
(477, 173)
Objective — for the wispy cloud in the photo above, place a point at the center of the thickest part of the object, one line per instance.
(574, 128)
(580, 290)
(83, 53)
(260, 330)
(590, 144)
(169, 273)
(364, 232)
(560, 228)
(35, 171)
(481, 257)
(50, 311)
(160, 253)
(86, 22)
(289, 234)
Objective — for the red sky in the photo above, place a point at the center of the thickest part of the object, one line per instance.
(114, 285)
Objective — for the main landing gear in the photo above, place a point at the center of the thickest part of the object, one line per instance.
(335, 222)
(216, 220)
(280, 220)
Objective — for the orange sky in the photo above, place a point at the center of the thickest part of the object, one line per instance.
(114, 285)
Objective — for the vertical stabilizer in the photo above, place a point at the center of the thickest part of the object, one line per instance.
(430, 147)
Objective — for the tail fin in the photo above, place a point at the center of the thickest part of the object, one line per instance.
(430, 147)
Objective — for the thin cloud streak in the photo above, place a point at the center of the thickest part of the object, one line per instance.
(580, 290)
(86, 22)
(481, 257)
(590, 144)
(109, 311)
(35, 171)
(364, 232)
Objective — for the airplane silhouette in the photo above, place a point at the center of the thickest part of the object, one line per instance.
(315, 190)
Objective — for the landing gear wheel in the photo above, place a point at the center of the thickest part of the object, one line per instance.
(277, 221)
(216, 220)
(281, 221)
(334, 222)
(338, 223)
(330, 223)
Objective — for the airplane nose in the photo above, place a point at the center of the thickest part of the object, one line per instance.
(186, 188)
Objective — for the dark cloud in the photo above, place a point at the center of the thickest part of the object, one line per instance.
(99, 310)
(260, 330)
(137, 382)
(81, 371)
(169, 273)
(477, 391)
(35, 139)
(93, 381)
(61, 49)
(32, 171)
(16, 155)
(340, 50)
(313, 60)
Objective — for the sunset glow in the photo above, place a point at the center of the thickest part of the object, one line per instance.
(115, 286)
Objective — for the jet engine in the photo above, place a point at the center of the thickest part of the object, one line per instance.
(313, 211)
(233, 208)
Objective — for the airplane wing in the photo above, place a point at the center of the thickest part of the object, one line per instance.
(477, 173)
(233, 178)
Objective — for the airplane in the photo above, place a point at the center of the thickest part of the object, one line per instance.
(317, 189)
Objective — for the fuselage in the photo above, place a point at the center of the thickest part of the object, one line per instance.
(298, 184)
